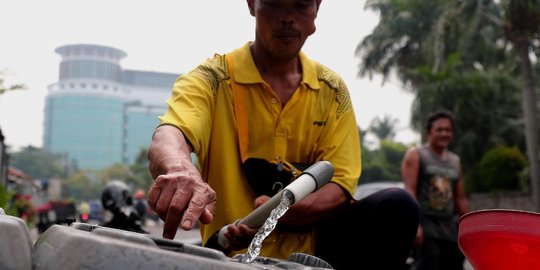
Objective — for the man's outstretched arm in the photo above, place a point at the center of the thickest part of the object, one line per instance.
(178, 195)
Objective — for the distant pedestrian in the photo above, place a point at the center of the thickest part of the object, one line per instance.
(433, 175)
(141, 205)
(84, 211)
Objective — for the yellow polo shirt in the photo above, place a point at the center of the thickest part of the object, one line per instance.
(317, 123)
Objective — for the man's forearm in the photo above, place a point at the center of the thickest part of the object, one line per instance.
(463, 206)
(167, 149)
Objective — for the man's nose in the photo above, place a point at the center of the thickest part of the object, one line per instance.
(286, 16)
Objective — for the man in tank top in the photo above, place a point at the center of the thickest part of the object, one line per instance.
(433, 175)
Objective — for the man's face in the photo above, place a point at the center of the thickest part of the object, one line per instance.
(441, 132)
(282, 26)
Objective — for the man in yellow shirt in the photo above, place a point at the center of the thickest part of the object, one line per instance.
(254, 117)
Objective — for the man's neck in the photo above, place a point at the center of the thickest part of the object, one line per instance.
(283, 75)
(269, 65)
(439, 151)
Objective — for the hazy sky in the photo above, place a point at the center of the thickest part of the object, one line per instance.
(169, 36)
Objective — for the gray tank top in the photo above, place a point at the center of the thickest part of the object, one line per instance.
(437, 181)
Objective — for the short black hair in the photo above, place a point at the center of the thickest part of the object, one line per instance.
(441, 114)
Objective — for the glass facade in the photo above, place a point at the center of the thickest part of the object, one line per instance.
(90, 69)
(149, 79)
(140, 125)
(98, 114)
(89, 130)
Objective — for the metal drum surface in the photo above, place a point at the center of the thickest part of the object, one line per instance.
(15, 244)
(84, 246)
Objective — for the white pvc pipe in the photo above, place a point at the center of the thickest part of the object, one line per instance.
(310, 180)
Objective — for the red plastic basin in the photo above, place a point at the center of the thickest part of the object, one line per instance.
(500, 239)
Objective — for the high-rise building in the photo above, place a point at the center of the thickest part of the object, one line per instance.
(98, 113)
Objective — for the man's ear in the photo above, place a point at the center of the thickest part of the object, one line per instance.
(251, 6)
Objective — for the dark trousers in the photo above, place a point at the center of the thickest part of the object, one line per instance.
(436, 254)
(377, 232)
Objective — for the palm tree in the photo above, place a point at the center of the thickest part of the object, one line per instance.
(384, 129)
(437, 46)
(486, 107)
(4, 88)
(400, 40)
(521, 24)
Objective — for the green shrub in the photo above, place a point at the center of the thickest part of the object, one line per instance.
(501, 169)
(383, 163)
(5, 200)
(473, 181)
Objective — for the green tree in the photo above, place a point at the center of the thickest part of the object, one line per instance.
(39, 163)
(136, 176)
(141, 170)
(5, 88)
(422, 34)
(400, 40)
(115, 172)
(514, 27)
(6, 198)
(82, 185)
(485, 105)
(466, 40)
(521, 24)
(88, 184)
(385, 128)
(383, 163)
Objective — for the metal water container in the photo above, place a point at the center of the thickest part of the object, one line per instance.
(85, 246)
(15, 244)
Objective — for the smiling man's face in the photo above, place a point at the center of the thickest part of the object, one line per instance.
(441, 133)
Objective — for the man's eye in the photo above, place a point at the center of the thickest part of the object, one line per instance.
(304, 5)
(270, 4)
